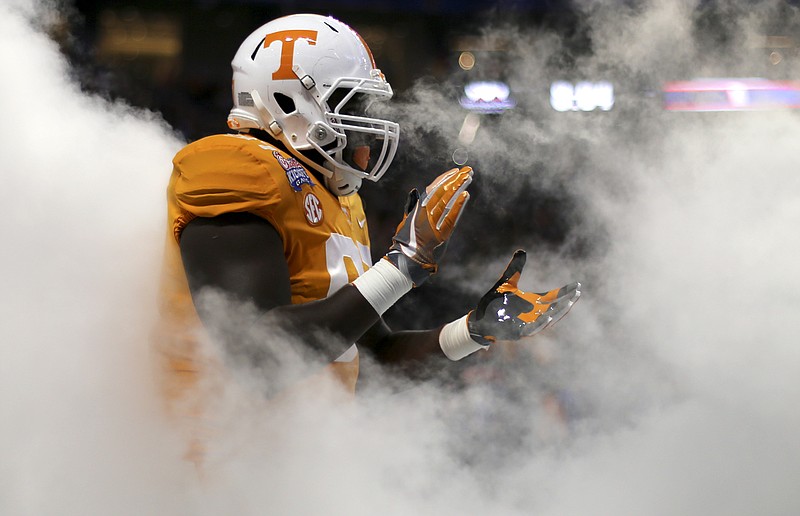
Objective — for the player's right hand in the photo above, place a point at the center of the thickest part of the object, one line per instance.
(421, 237)
(508, 313)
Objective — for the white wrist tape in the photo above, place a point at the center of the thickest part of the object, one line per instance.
(455, 341)
(382, 285)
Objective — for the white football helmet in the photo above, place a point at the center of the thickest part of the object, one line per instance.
(308, 81)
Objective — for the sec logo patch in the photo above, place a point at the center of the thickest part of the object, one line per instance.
(313, 209)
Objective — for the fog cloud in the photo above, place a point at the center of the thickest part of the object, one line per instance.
(677, 370)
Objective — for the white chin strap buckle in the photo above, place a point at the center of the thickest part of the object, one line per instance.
(272, 126)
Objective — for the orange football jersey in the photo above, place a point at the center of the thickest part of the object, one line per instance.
(325, 240)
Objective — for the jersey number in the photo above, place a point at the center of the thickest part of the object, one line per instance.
(345, 260)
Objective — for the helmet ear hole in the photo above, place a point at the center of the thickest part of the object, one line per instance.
(285, 102)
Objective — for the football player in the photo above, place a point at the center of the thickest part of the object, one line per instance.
(270, 215)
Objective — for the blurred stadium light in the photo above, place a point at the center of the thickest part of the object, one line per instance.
(731, 94)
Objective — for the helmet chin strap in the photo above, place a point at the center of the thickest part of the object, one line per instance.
(341, 182)
(270, 124)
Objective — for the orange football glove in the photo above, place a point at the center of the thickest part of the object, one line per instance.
(421, 237)
(508, 313)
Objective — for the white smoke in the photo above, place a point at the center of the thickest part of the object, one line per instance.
(84, 182)
(681, 354)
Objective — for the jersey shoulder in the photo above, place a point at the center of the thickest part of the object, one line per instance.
(229, 172)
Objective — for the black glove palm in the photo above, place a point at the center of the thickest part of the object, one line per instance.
(508, 313)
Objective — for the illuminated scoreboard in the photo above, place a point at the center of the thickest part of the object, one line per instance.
(582, 96)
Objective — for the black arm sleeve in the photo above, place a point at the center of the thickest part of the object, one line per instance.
(241, 255)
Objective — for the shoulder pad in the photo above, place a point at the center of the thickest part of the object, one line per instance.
(225, 173)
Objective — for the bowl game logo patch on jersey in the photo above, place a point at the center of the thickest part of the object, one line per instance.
(313, 209)
(295, 172)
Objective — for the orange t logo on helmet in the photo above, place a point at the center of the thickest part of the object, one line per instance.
(288, 39)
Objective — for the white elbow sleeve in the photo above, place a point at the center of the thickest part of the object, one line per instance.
(382, 285)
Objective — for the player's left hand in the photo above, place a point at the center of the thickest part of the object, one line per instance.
(508, 313)
(422, 235)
